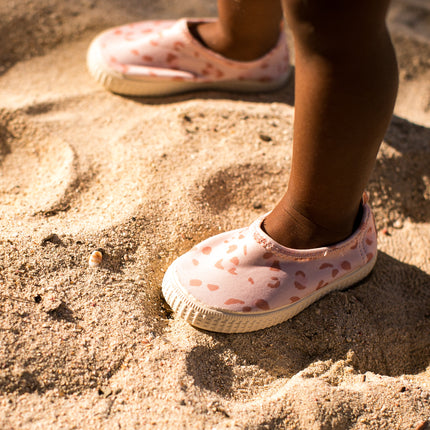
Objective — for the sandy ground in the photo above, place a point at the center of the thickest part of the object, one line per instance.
(143, 180)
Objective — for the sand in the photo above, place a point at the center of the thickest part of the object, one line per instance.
(143, 180)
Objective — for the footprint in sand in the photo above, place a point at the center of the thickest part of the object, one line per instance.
(37, 175)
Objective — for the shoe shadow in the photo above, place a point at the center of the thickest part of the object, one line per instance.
(380, 325)
(399, 183)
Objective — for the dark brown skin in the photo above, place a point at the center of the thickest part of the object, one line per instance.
(245, 29)
(346, 85)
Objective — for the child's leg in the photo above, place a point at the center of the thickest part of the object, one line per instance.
(346, 84)
(245, 30)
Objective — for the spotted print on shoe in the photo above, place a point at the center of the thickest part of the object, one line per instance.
(233, 291)
(166, 51)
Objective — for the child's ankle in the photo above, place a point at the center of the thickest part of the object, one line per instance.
(213, 37)
(294, 230)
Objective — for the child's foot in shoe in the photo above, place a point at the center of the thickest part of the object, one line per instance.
(243, 280)
(156, 58)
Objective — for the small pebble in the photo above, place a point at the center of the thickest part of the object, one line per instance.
(257, 205)
(265, 138)
(95, 259)
(37, 298)
(51, 302)
(398, 224)
(104, 392)
(53, 238)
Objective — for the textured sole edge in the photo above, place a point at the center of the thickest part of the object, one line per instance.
(201, 316)
(118, 83)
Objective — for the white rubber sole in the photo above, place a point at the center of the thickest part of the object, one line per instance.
(132, 86)
(204, 317)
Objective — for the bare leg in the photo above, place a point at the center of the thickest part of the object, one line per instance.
(346, 84)
(245, 30)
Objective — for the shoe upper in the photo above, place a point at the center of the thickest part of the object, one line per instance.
(167, 50)
(245, 270)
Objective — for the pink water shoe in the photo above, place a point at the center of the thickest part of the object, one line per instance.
(156, 58)
(243, 280)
